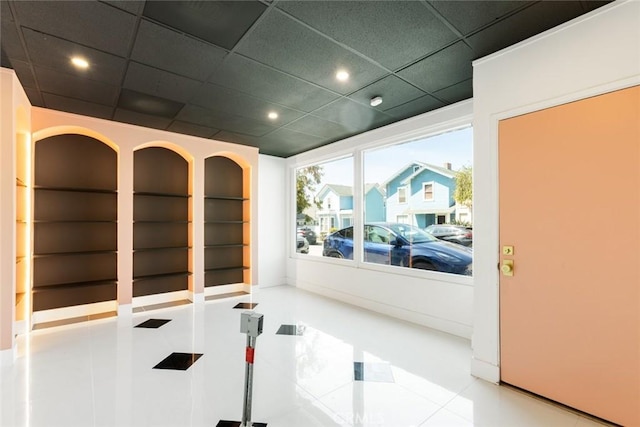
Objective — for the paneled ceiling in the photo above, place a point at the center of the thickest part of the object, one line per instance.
(216, 69)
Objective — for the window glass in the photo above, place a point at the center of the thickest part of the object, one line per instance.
(411, 186)
(324, 201)
(402, 195)
(428, 191)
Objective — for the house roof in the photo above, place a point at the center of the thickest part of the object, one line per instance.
(438, 169)
(371, 186)
(214, 69)
(340, 190)
(347, 190)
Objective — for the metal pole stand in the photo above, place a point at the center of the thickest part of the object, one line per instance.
(250, 324)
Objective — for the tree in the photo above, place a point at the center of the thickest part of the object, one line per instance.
(464, 187)
(306, 181)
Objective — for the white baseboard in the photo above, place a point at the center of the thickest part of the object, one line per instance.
(226, 289)
(160, 298)
(56, 314)
(443, 325)
(485, 370)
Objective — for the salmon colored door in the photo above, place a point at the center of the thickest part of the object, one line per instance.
(569, 182)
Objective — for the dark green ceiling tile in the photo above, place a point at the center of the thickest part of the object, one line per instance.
(393, 33)
(442, 69)
(288, 46)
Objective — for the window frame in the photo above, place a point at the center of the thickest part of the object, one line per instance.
(453, 118)
(424, 185)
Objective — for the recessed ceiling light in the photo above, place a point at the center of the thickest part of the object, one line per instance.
(79, 62)
(375, 101)
(272, 115)
(342, 75)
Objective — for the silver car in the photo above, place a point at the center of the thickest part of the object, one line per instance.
(302, 244)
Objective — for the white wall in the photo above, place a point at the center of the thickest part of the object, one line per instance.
(11, 123)
(272, 232)
(593, 54)
(433, 299)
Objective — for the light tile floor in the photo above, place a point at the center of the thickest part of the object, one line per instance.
(99, 373)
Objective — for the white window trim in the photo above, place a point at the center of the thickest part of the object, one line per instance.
(446, 119)
(433, 191)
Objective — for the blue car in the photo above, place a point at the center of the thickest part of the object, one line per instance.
(402, 245)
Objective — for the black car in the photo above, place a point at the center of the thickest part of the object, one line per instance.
(402, 245)
(452, 233)
(308, 234)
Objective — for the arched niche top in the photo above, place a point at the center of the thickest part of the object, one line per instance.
(188, 157)
(61, 130)
(162, 170)
(73, 160)
(224, 177)
(241, 161)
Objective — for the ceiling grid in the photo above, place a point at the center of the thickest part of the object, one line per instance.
(216, 69)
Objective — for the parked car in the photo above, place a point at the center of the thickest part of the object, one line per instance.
(302, 245)
(308, 234)
(452, 233)
(403, 245)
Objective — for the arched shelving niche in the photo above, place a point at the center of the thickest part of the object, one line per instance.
(227, 222)
(74, 222)
(162, 257)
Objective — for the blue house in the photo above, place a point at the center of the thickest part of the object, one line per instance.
(421, 194)
(336, 209)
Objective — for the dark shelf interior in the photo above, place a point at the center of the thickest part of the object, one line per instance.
(62, 205)
(160, 208)
(240, 199)
(227, 269)
(223, 234)
(75, 222)
(223, 277)
(148, 193)
(161, 261)
(62, 237)
(158, 235)
(75, 189)
(224, 208)
(161, 222)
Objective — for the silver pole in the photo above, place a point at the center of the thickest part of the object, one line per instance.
(248, 382)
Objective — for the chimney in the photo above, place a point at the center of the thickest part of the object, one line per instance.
(447, 165)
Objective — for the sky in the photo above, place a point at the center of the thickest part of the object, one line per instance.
(455, 147)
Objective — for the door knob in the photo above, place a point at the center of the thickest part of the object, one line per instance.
(507, 267)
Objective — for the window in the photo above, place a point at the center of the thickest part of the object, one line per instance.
(324, 201)
(427, 191)
(417, 187)
(402, 194)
